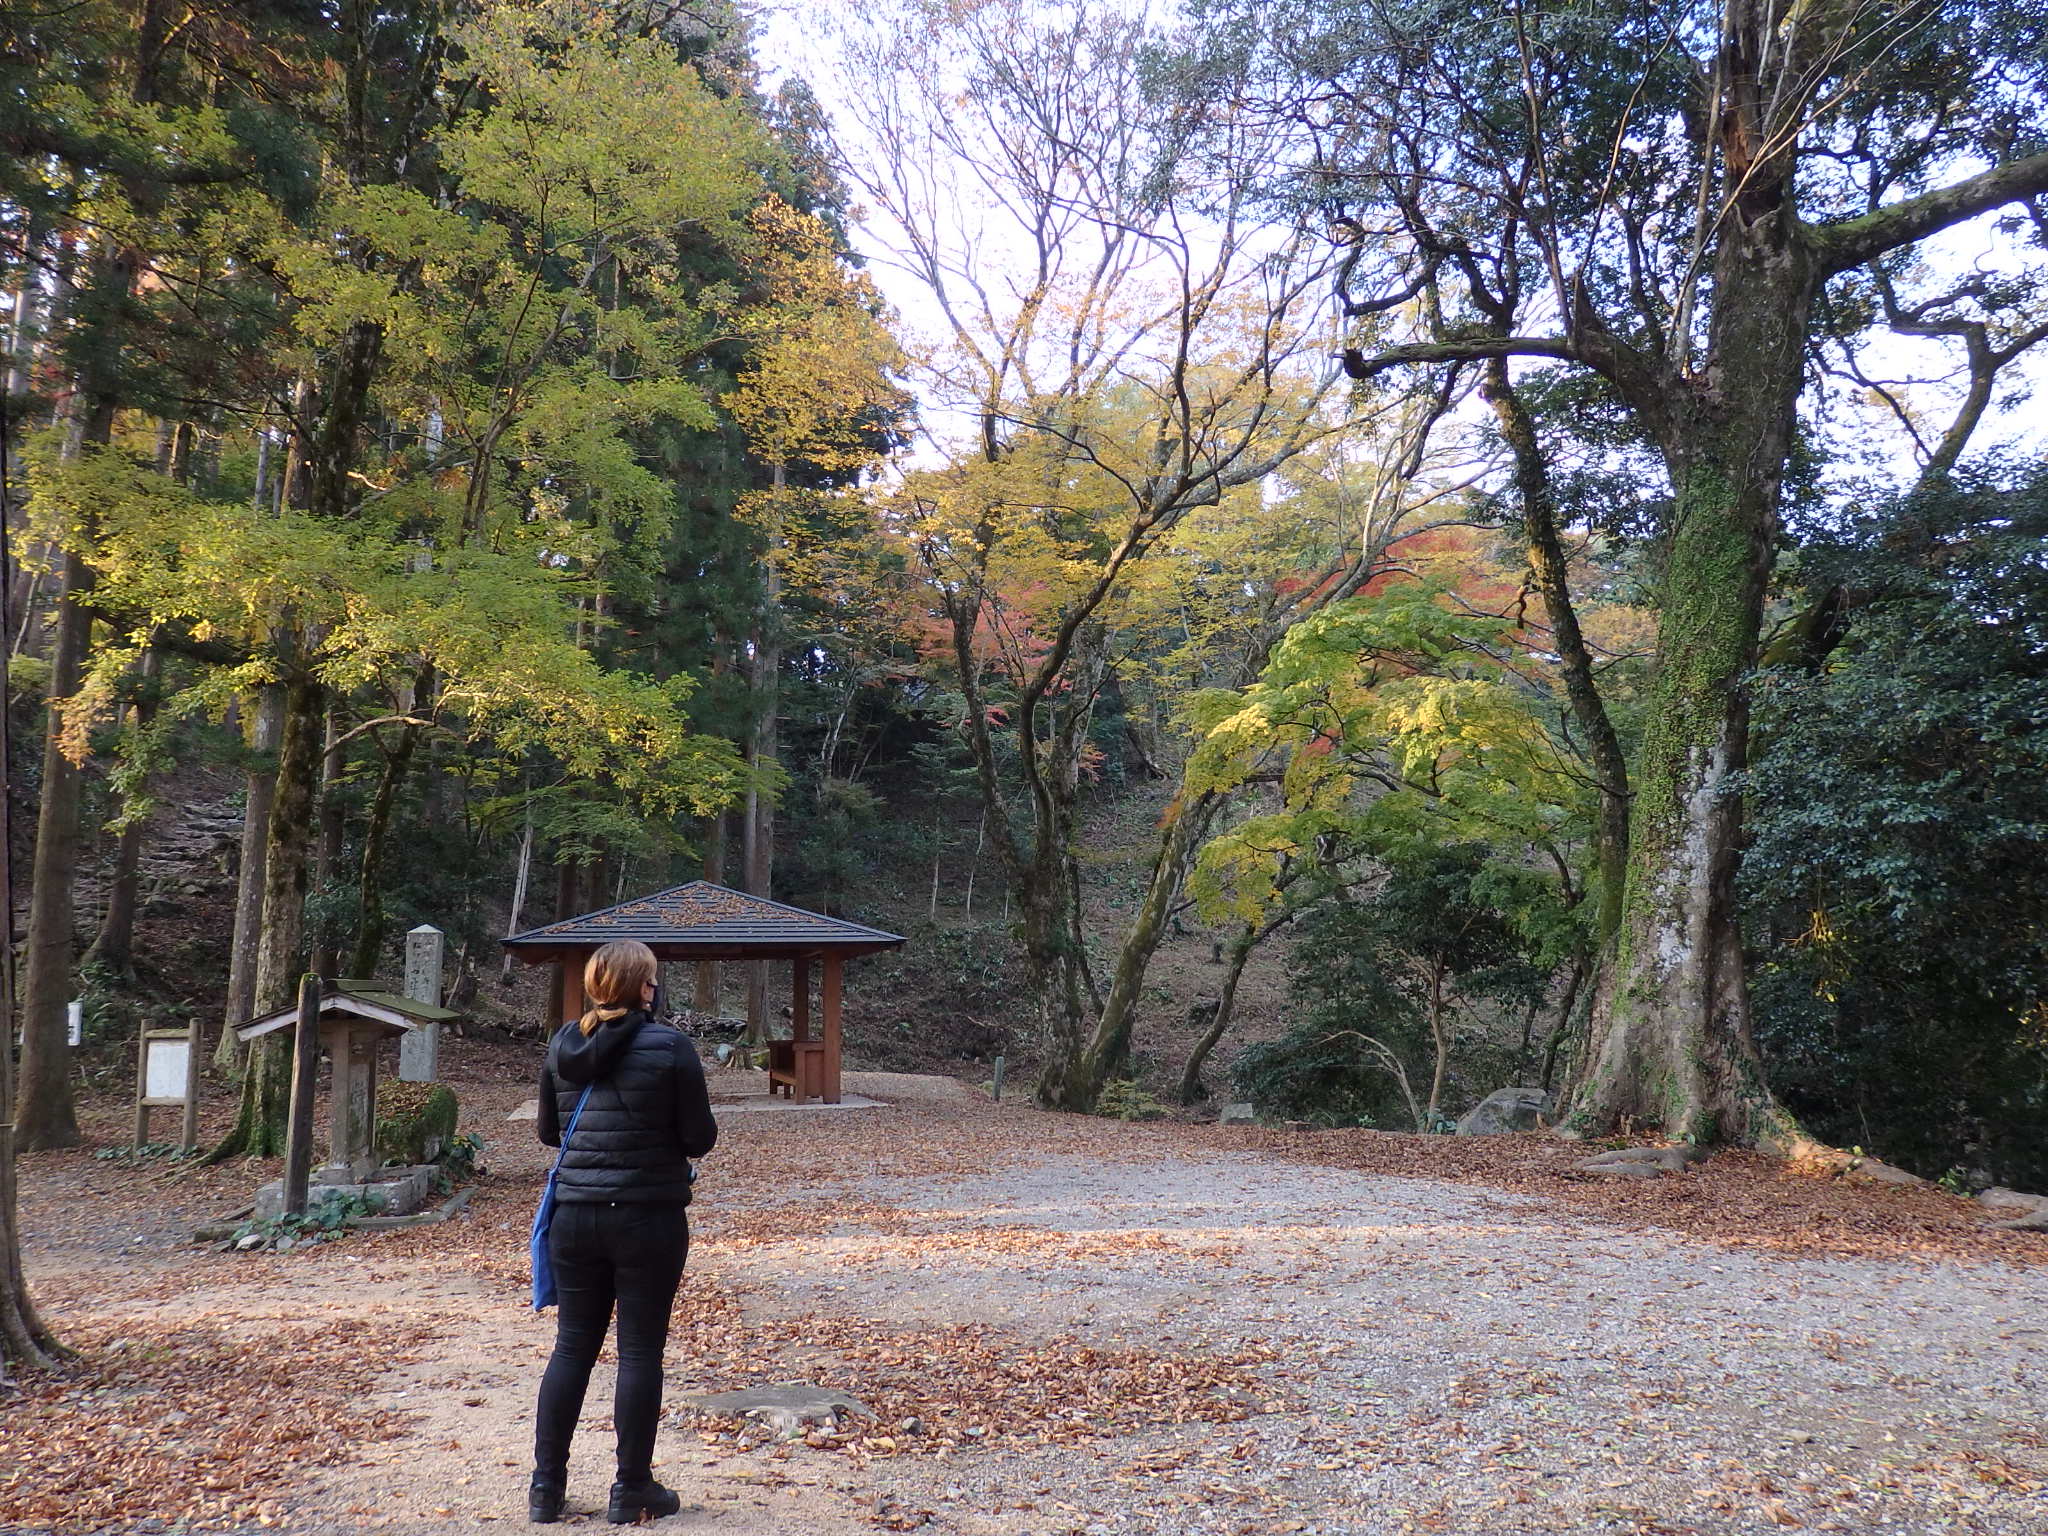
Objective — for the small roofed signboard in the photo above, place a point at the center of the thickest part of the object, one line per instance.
(365, 1000)
(354, 1016)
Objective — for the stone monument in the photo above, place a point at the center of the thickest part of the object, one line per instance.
(419, 1051)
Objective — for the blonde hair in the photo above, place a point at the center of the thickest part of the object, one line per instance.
(613, 977)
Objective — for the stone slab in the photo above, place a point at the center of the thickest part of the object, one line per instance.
(784, 1406)
(397, 1192)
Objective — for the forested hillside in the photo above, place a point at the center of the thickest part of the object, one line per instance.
(1334, 557)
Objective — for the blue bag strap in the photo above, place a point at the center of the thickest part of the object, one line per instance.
(577, 1114)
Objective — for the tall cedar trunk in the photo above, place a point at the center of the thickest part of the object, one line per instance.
(370, 879)
(331, 456)
(706, 998)
(258, 786)
(760, 831)
(1548, 569)
(23, 327)
(26, 1343)
(44, 1113)
(114, 947)
(1671, 1041)
(259, 1128)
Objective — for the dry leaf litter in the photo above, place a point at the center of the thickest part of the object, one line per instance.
(1075, 1327)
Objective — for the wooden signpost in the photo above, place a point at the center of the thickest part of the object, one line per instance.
(165, 1078)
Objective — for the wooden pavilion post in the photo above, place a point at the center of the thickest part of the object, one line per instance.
(558, 997)
(800, 998)
(835, 971)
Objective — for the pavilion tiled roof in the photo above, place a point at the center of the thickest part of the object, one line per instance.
(705, 921)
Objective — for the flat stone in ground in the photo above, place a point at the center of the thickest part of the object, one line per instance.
(805, 1402)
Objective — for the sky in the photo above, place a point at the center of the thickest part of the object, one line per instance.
(791, 41)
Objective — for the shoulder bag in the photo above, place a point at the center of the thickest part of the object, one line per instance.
(544, 1215)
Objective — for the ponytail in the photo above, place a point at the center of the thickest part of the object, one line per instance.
(612, 978)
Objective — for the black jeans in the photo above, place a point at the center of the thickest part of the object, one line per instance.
(632, 1254)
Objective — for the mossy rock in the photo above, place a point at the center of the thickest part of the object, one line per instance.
(415, 1121)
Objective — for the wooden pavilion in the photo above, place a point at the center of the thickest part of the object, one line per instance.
(701, 921)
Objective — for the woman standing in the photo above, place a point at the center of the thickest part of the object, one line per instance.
(619, 1232)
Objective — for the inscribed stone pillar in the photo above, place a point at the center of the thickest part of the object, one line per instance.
(419, 1050)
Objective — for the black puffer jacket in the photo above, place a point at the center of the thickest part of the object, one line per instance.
(648, 1114)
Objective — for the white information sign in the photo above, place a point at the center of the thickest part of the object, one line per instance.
(169, 1063)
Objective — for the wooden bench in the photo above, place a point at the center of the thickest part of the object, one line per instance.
(796, 1068)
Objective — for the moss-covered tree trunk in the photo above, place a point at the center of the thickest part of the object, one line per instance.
(1052, 968)
(1671, 1043)
(1108, 1048)
(260, 1126)
(258, 786)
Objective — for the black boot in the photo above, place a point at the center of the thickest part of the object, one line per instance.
(641, 1501)
(543, 1502)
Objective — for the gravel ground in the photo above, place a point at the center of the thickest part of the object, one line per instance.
(1466, 1361)
(1425, 1356)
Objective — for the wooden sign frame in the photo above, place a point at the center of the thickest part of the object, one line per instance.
(190, 1038)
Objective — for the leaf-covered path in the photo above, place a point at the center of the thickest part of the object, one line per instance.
(1090, 1327)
